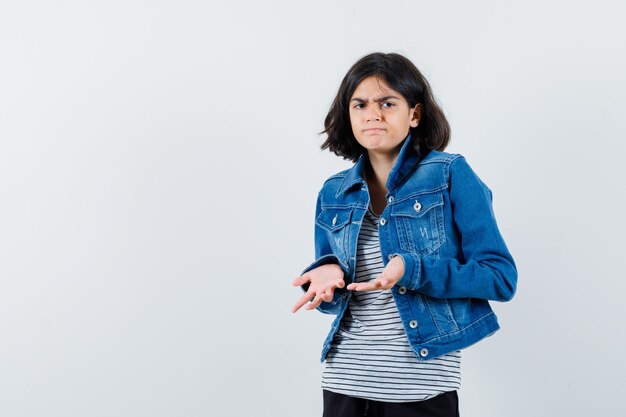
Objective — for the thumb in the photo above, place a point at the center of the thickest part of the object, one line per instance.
(299, 281)
(383, 278)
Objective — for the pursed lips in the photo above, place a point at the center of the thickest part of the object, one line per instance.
(373, 129)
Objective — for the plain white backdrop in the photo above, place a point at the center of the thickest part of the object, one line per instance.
(159, 164)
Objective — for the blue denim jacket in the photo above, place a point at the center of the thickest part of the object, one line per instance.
(439, 219)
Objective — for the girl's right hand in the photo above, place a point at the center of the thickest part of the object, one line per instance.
(322, 283)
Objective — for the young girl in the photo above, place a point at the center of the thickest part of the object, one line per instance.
(407, 250)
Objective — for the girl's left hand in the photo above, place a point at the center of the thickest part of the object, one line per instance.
(387, 279)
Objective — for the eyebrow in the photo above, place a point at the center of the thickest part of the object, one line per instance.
(376, 100)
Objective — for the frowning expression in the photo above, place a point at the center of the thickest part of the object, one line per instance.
(381, 117)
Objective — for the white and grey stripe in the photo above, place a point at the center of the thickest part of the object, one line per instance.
(370, 355)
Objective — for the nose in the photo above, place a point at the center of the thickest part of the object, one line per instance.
(373, 114)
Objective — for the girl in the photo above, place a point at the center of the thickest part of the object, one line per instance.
(407, 250)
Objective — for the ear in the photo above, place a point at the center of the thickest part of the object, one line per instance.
(416, 115)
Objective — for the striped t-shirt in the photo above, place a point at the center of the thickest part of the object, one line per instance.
(370, 356)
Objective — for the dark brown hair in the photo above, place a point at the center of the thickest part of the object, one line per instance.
(433, 131)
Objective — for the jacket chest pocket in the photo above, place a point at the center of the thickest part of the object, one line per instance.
(336, 223)
(420, 224)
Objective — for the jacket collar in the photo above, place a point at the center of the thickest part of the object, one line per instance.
(405, 163)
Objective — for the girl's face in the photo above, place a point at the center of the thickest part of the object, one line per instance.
(381, 117)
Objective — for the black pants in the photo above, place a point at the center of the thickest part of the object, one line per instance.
(339, 405)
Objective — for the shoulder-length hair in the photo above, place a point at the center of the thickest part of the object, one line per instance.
(433, 131)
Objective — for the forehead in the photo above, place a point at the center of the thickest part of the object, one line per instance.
(374, 86)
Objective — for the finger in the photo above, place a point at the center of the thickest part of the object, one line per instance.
(302, 301)
(301, 280)
(341, 283)
(328, 295)
(315, 303)
(365, 286)
(387, 281)
(298, 305)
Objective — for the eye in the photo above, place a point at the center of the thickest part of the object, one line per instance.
(358, 106)
(387, 105)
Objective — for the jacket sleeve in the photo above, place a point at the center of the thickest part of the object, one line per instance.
(324, 255)
(487, 269)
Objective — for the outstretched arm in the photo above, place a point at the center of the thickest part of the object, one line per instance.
(324, 276)
(488, 270)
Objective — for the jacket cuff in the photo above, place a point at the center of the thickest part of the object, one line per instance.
(412, 267)
(326, 259)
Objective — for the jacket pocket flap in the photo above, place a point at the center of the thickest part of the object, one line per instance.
(418, 205)
(334, 219)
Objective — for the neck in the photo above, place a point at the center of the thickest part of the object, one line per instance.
(379, 168)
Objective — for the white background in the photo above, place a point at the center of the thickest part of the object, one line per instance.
(159, 164)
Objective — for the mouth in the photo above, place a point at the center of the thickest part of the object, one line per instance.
(374, 130)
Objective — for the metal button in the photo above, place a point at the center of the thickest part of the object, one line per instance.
(390, 199)
(335, 220)
(413, 324)
(402, 290)
(383, 221)
(417, 206)
(424, 352)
